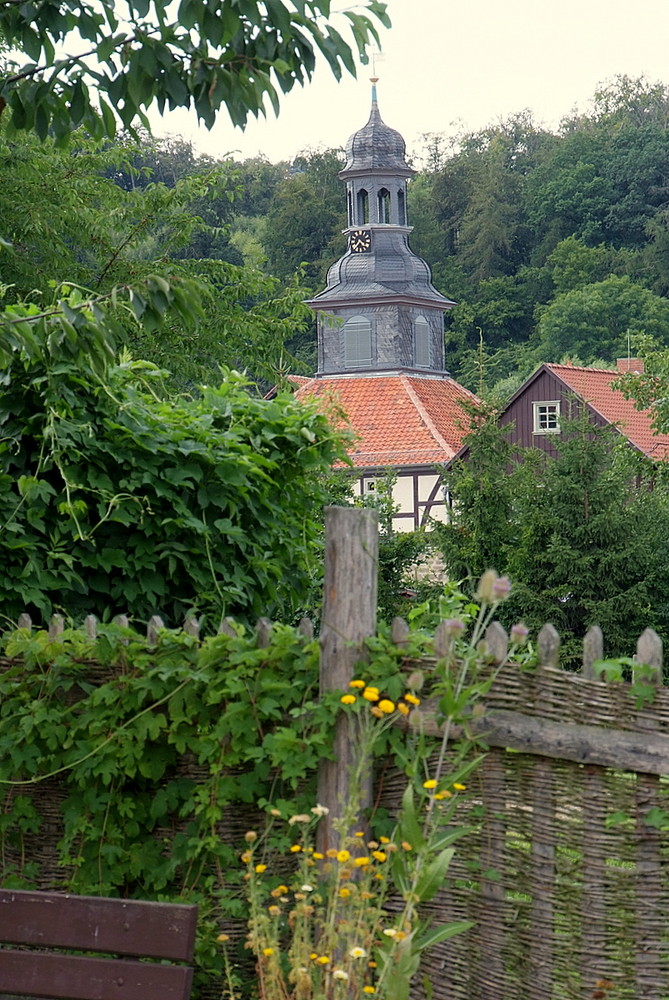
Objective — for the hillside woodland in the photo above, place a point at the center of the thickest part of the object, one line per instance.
(554, 244)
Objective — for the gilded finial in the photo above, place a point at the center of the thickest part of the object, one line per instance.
(376, 57)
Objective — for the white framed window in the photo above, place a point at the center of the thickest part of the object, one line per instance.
(369, 486)
(546, 417)
(358, 342)
(422, 343)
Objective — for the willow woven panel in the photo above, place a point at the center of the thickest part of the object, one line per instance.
(566, 872)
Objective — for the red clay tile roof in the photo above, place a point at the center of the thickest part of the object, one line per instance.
(594, 386)
(398, 419)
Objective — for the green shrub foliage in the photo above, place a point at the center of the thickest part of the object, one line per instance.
(156, 756)
(115, 500)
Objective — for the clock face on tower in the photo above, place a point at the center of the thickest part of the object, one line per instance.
(360, 241)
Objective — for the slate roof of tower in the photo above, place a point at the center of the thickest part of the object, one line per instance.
(376, 146)
(399, 419)
(594, 386)
(380, 275)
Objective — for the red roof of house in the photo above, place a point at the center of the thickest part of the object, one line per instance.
(398, 419)
(594, 386)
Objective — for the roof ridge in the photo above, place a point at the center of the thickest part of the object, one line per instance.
(427, 419)
(584, 368)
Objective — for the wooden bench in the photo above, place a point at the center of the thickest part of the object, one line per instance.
(47, 925)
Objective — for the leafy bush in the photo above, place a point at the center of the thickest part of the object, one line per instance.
(113, 499)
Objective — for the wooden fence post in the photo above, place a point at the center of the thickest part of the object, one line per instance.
(349, 617)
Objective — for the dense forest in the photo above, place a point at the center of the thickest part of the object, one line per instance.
(554, 244)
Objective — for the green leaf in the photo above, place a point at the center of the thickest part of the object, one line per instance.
(409, 827)
(437, 934)
(432, 878)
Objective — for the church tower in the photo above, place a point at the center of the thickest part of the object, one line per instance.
(381, 339)
(379, 311)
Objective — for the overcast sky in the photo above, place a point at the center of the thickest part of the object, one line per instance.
(448, 66)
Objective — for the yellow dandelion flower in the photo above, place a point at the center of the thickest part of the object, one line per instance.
(443, 795)
(402, 708)
(343, 856)
(279, 891)
(322, 960)
(411, 698)
(368, 989)
(348, 699)
(361, 862)
(379, 855)
(260, 869)
(267, 952)
(387, 706)
(246, 857)
(295, 849)
(406, 845)
(384, 840)
(344, 892)
(358, 684)
(371, 965)
(430, 783)
(359, 833)
(459, 787)
(318, 856)
(371, 694)
(223, 937)
(274, 910)
(313, 956)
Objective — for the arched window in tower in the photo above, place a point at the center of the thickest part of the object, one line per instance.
(384, 205)
(362, 207)
(358, 342)
(421, 343)
(401, 208)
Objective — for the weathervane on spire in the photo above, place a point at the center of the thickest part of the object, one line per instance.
(376, 57)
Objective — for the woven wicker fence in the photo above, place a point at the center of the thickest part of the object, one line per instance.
(566, 872)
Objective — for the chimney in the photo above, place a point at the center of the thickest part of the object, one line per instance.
(634, 365)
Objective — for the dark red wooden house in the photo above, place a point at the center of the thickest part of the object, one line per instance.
(538, 407)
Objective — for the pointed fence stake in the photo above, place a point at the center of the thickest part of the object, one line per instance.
(306, 629)
(91, 626)
(497, 642)
(264, 632)
(548, 642)
(192, 627)
(399, 632)
(56, 626)
(152, 629)
(593, 650)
